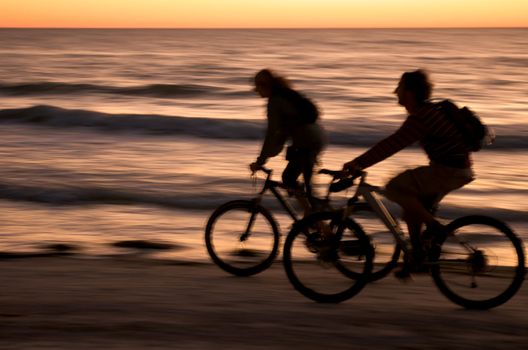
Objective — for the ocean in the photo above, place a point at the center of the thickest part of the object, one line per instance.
(113, 135)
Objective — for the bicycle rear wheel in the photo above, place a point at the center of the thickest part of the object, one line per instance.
(242, 238)
(327, 270)
(480, 264)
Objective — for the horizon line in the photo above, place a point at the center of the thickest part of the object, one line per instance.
(269, 28)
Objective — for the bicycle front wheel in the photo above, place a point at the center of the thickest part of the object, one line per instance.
(242, 238)
(386, 248)
(480, 264)
(328, 270)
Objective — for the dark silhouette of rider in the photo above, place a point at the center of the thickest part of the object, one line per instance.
(287, 121)
(419, 190)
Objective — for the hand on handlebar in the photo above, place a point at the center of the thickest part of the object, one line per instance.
(342, 179)
(254, 167)
(351, 168)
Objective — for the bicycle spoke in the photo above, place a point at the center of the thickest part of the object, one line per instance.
(242, 238)
(386, 249)
(227, 241)
(327, 269)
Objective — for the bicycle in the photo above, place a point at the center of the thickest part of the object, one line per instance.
(252, 247)
(476, 251)
(242, 236)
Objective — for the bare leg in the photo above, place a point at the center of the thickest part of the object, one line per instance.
(415, 211)
(303, 201)
(415, 215)
(302, 162)
(414, 228)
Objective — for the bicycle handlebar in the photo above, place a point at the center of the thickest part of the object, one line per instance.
(341, 179)
(341, 174)
(344, 179)
(263, 169)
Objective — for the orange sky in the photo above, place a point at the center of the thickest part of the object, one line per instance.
(268, 13)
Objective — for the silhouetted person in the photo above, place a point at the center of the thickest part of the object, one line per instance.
(420, 190)
(293, 117)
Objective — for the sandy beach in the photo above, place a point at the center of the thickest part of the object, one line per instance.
(137, 303)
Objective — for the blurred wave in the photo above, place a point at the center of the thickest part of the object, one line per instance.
(152, 90)
(201, 201)
(145, 124)
(192, 200)
(74, 195)
(340, 132)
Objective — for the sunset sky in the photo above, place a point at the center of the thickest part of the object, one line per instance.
(263, 14)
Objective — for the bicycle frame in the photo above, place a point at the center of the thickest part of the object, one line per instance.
(369, 193)
(373, 202)
(272, 186)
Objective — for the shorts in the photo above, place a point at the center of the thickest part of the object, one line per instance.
(300, 161)
(428, 183)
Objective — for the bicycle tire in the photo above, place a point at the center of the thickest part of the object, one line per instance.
(244, 207)
(353, 283)
(510, 269)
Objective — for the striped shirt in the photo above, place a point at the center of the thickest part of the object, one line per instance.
(438, 136)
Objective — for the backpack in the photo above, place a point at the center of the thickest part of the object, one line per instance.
(475, 133)
(308, 111)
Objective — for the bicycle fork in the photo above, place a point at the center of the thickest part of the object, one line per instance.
(256, 201)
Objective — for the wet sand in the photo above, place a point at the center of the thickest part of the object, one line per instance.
(135, 303)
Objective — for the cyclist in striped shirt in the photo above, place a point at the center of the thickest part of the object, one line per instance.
(418, 191)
